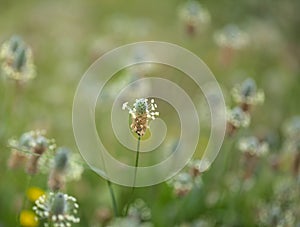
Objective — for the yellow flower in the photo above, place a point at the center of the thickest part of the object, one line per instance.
(33, 193)
(28, 219)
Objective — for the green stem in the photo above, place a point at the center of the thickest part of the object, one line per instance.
(135, 173)
(136, 162)
(113, 198)
(24, 202)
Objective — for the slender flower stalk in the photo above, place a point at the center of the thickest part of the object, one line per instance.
(113, 198)
(136, 160)
(140, 113)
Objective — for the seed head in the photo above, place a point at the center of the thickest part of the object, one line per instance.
(140, 113)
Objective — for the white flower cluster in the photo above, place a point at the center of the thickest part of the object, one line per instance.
(57, 209)
(141, 107)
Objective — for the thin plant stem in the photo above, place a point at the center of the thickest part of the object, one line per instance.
(24, 202)
(135, 174)
(112, 194)
(113, 198)
(136, 162)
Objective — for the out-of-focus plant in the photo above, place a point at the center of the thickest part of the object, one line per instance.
(29, 149)
(194, 16)
(17, 60)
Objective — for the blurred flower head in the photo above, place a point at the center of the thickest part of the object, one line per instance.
(139, 210)
(17, 61)
(251, 145)
(33, 193)
(197, 167)
(28, 219)
(64, 167)
(194, 16)
(140, 113)
(182, 184)
(292, 128)
(238, 118)
(246, 94)
(64, 161)
(283, 209)
(30, 147)
(57, 209)
(231, 36)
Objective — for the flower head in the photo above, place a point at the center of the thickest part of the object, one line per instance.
(292, 128)
(17, 61)
(139, 210)
(251, 145)
(57, 209)
(238, 118)
(140, 113)
(231, 36)
(33, 193)
(197, 167)
(194, 16)
(247, 95)
(63, 167)
(28, 219)
(182, 184)
(30, 147)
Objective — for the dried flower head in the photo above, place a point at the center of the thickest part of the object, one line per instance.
(194, 16)
(251, 145)
(17, 61)
(30, 147)
(140, 113)
(57, 209)
(247, 95)
(231, 36)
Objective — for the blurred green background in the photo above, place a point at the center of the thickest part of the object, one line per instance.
(67, 36)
